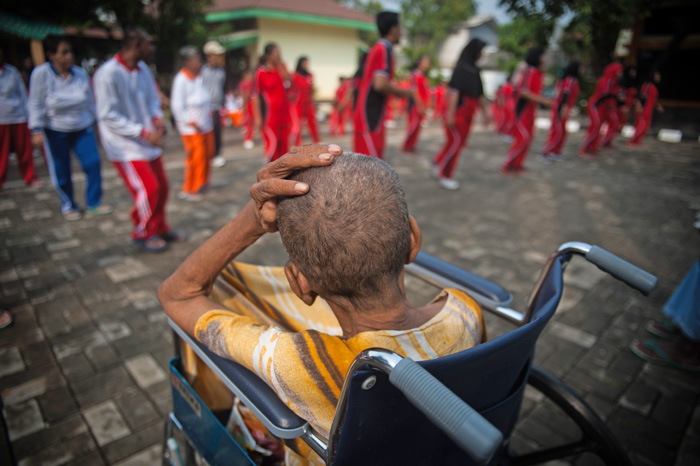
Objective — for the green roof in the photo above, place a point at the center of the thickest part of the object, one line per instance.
(26, 29)
(220, 16)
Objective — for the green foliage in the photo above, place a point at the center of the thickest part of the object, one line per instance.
(427, 23)
(521, 34)
(371, 7)
(599, 21)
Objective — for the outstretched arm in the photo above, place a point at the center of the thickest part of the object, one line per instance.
(184, 294)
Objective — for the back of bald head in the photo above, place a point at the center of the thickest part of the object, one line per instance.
(350, 234)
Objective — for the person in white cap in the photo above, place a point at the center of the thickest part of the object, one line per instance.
(214, 76)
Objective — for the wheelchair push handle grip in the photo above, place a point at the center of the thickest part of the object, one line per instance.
(622, 270)
(467, 428)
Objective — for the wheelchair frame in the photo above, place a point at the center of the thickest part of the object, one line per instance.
(596, 437)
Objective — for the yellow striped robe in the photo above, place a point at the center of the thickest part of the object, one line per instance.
(299, 350)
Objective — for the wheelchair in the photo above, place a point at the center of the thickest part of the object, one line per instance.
(454, 410)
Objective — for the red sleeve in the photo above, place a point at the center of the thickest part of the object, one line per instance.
(377, 61)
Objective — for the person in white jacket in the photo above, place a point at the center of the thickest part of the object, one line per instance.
(190, 103)
(62, 119)
(14, 134)
(132, 129)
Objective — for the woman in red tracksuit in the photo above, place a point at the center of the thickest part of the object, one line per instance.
(272, 107)
(626, 96)
(528, 96)
(600, 106)
(465, 96)
(646, 103)
(567, 90)
(303, 102)
(506, 104)
(418, 106)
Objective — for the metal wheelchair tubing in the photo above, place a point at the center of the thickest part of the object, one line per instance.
(572, 247)
(596, 437)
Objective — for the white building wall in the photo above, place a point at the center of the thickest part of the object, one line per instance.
(332, 51)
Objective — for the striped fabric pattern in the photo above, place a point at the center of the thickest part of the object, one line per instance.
(299, 350)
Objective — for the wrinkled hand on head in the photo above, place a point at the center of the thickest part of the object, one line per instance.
(272, 183)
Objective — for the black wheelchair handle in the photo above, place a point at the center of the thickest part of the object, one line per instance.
(467, 428)
(622, 270)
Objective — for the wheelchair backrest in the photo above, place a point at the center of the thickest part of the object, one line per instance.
(380, 426)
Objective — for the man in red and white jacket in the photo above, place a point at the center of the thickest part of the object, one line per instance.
(132, 129)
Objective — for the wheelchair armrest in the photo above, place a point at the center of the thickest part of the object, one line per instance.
(485, 292)
(281, 421)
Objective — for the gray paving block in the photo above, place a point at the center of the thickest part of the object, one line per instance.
(640, 398)
(106, 422)
(62, 453)
(57, 404)
(10, 361)
(134, 443)
(54, 434)
(23, 418)
(146, 457)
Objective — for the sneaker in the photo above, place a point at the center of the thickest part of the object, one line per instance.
(218, 162)
(191, 197)
(182, 195)
(248, 144)
(102, 209)
(544, 159)
(448, 184)
(557, 157)
(5, 319)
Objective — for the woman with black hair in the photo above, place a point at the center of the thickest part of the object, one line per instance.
(567, 90)
(62, 119)
(303, 102)
(644, 109)
(528, 96)
(271, 105)
(465, 95)
(418, 106)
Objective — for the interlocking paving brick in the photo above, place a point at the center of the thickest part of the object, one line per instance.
(114, 330)
(78, 344)
(25, 391)
(572, 334)
(127, 269)
(136, 442)
(57, 403)
(145, 370)
(62, 453)
(10, 361)
(639, 398)
(136, 407)
(23, 418)
(23, 241)
(54, 434)
(147, 457)
(106, 422)
(65, 244)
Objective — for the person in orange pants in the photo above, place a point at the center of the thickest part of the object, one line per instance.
(302, 105)
(418, 106)
(567, 89)
(190, 105)
(528, 89)
(646, 103)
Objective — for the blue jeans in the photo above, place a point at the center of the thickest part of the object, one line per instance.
(84, 145)
(683, 308)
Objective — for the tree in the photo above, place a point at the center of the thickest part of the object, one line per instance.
(601, 20)
(521, 34)
(428, 22)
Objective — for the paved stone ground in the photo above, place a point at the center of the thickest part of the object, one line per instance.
(83, 371)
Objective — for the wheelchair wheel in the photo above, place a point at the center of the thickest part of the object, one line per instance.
(596, 437)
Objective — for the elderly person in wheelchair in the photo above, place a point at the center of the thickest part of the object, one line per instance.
(344, 222)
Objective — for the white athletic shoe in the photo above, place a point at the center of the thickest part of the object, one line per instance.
(218, 161)
(449, 184)
(544, 159)
(248, 144)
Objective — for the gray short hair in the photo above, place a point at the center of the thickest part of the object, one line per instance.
(350, 234)
(187, 52)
